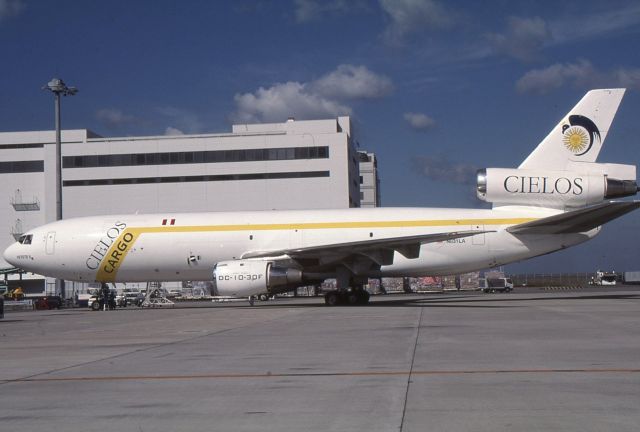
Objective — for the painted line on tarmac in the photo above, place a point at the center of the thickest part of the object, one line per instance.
(319, 374)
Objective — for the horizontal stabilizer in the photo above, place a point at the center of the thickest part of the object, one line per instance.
(576, 221)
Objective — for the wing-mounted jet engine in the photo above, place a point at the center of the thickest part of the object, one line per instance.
(243, 278)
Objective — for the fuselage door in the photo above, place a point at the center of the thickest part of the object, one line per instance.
(477, 239)
(295, 238)
(50, 246)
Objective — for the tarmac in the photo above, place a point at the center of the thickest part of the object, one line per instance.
(531, 360)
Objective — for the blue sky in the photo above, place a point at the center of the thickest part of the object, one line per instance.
(437, 89)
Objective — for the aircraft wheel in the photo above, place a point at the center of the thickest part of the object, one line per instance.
(331, 298)
(364, 298)
(353, 298)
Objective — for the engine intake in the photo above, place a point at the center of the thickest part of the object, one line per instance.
(242, 278)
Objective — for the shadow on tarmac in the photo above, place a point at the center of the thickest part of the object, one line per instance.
(463, 300)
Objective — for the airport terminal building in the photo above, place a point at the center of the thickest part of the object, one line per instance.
(291, 165)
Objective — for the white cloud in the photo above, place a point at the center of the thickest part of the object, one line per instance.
(413, 16)
(173, 131)
(10, 8)
(419, 121)
(280, 101)
(353, 82)
(523, 39)
(441, 169)
(183, 119)
(325, 97)
(115, 118)
(629, 78)
(579, 74)
(310, 10)
(597, 24)
(307, 10)
(550, 78)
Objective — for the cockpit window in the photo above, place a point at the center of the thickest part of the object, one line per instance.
(25, 239)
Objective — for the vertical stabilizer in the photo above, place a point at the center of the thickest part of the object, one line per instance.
(580, 134)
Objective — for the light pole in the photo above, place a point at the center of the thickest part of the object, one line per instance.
(58, 87)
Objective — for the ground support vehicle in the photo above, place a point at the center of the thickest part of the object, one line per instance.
(492, 285)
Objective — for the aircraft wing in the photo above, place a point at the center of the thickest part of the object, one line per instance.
(577, 221)
(380, 251)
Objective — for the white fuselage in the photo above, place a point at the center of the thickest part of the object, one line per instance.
(178, 247)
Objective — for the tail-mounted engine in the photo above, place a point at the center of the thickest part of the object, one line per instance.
(243, 278)
(555, 189)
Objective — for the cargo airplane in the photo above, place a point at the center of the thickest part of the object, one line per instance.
(557, 198)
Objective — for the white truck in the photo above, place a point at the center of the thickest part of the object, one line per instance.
(492, 285)
(632, 277)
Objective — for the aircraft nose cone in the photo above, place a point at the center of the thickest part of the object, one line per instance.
(9, 255)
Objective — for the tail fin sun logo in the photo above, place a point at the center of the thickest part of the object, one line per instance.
(579, 134)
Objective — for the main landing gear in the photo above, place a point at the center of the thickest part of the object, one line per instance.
(350, 297)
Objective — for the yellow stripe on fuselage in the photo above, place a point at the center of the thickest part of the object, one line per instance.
(120, 248)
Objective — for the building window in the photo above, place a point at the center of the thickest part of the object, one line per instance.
(20, 146)
(198, 178)
(21, 167)
(213, 156)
